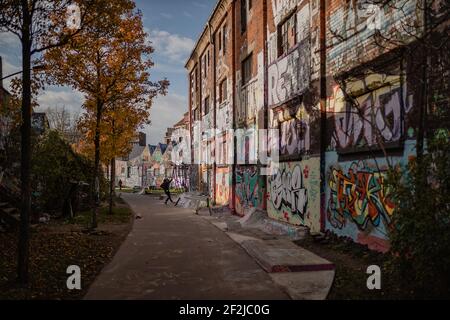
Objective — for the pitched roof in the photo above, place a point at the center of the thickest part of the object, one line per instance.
(136, 151)
(163, 147)
(152, 148)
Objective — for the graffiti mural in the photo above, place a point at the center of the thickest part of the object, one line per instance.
(223, 186)
(294, 194)
(359, 204)
(290, 75)
(359, 196)
(250, 189)
(287, 189)
(377, 111)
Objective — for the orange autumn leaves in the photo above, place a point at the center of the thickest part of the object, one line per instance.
(109, 62)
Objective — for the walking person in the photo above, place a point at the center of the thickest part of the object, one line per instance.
(166, 187)
(120, 184)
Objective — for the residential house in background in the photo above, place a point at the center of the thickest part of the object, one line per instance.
(132, 170)
(178, 148)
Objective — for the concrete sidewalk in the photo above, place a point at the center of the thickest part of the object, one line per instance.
(172, 253)
(301, 273)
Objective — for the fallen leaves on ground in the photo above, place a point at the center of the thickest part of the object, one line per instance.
(55, 247)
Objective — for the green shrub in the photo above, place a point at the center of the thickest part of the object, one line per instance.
(54, 166)
(420, 233)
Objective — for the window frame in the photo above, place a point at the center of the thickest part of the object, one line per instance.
(223, 84)
(244, 16)
(249, 60)
(283, 37)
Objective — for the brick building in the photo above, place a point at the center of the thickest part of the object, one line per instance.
(339, 80)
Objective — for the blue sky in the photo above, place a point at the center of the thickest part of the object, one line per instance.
(173, 27)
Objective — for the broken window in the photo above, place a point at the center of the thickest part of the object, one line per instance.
(287, 34)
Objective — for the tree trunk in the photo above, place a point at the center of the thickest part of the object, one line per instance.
(424, 89)
(25, 165)
(112, 184)
(96, 180)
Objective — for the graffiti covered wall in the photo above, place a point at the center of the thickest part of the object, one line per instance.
(359, 204)
(250, 189)
(374, 115)
(380, 103)
(223, 183)
(294, 193)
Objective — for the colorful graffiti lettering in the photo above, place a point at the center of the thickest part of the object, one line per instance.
(249, 188)
(290, 75)
(379, 114)
(359, 195)
(287, 188)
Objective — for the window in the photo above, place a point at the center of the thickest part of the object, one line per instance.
(205, 67)
(128, 172)
(196, 77)
(287, 34)
(220, 41)
(196, 114)
(223, 91)
(243, 16)
(206, 106)
(224, 35)
(247, 70)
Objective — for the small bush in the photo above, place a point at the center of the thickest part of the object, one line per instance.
(54, 166)
(420, 233)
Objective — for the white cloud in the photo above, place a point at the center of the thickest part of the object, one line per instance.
(175, 47)
(9, 68)
(65, 97)
(199, 5)
(8, 39)
(165, 112)
(166, 15)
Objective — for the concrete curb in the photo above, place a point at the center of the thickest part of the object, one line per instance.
(300, 273)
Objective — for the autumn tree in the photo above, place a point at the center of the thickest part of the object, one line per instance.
(109, 62)
(40, 25)
(118, 128)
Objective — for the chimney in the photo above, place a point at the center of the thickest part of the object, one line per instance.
(142, 139)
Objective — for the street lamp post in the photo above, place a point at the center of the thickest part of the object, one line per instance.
(35, 68)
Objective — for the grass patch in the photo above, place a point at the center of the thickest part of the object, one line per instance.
(160, 191)
(121, 214)
(126, 190)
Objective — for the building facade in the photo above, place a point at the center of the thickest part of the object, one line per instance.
(338, 81)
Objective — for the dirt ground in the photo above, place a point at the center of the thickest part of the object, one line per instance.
(59, 244)
(351, 261)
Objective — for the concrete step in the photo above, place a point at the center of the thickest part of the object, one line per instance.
(284, 256)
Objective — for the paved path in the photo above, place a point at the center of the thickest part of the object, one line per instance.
(173, 254)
